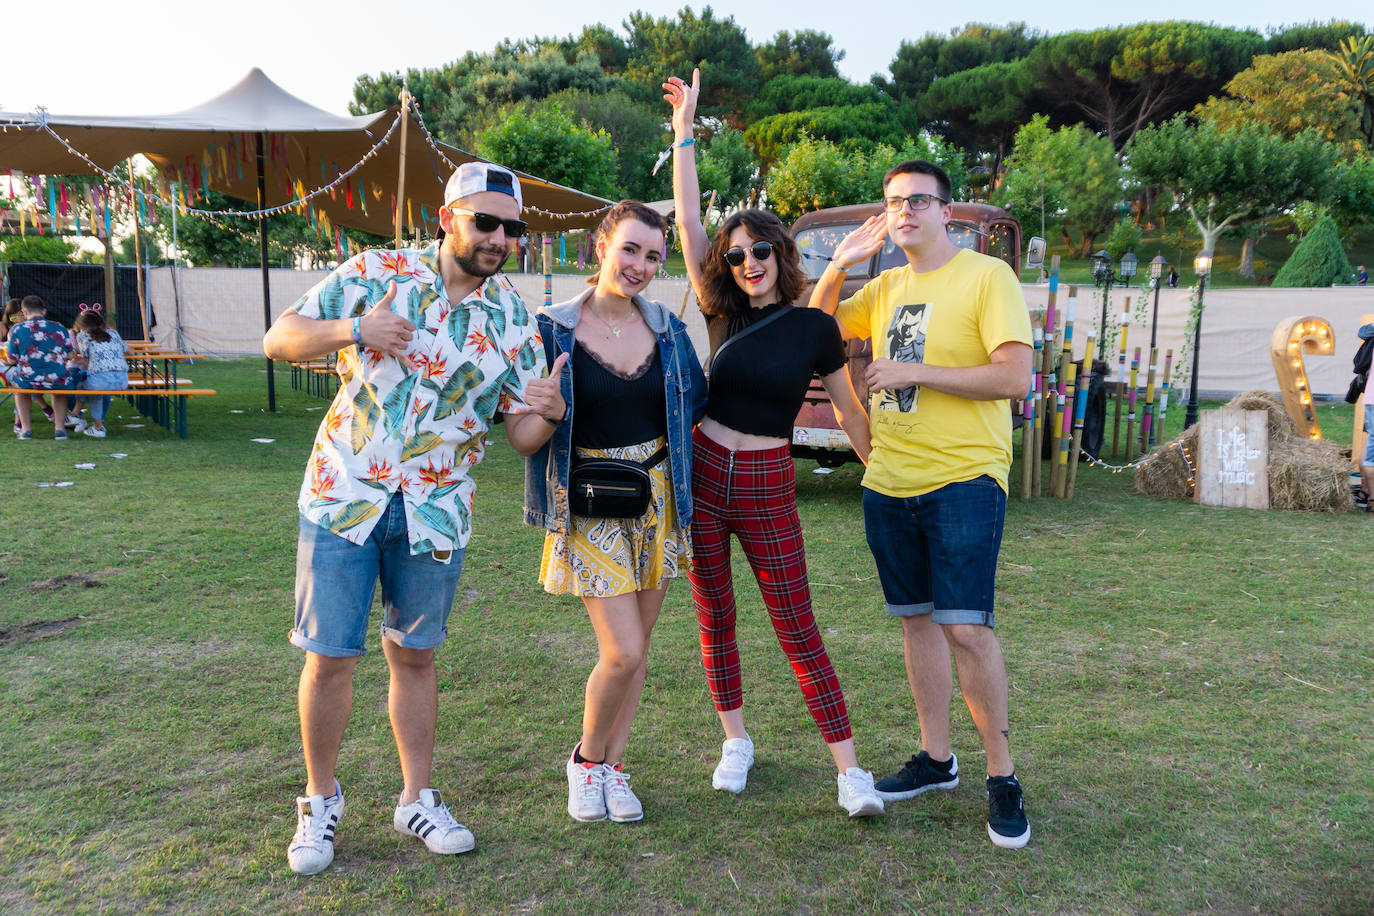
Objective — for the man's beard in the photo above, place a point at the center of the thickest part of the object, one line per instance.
(467, 260)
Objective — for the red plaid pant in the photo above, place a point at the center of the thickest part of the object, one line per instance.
(752, 495)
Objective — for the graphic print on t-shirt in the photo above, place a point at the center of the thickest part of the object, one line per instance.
(906, 343)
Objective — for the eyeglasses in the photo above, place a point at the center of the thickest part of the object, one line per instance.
(485, 222)
(760, 250)
(917, 202)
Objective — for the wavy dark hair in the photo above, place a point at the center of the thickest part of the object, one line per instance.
(721, 295)
(93, 323)
(623, 210)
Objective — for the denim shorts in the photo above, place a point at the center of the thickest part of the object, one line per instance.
(336, 579)
(1369, 435)
(937, 553)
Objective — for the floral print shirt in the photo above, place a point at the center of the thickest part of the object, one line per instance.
(420, 428)
(39, 350)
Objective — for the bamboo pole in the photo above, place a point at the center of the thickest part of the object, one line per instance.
(1063, 355)
(1029, 417)
(1130, 402)
(1059, 473)
(1042, 411)
(1120, 386)
(1148, 415)
(1080, 412)
(401, 167)
(138, 253)
(1163, 411)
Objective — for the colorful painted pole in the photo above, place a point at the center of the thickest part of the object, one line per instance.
(1043, 409)
(1080, 413)
(1060, 429)
(1148, 416)
(1163, 412)
(1120, 388)
(1029, 459)
(1059, 474)
(1130, 395)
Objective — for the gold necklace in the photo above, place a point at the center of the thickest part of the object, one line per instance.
(614, 329)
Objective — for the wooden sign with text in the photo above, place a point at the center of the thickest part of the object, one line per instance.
(1233, 459)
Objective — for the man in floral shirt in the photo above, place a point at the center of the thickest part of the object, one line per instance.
(39, 351)
(432, 344)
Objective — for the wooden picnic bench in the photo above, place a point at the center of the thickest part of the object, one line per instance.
(164, 406)
(316, 376)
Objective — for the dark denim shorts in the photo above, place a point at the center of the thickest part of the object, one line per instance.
(336, 579)
(937, 552)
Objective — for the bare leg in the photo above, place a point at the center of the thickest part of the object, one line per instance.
(324, 699)
(615, 683)
(983, 680)
(843, 753)
(732, 720)
(59, 411)
(23, 406)
(413, 704)
(931, 679)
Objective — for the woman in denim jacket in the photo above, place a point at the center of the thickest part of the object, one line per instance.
(634, 387)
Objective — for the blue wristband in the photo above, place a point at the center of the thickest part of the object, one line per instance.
(358, 329)
(688, 142)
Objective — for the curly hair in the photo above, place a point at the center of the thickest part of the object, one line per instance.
(623, 210)
(722, 294)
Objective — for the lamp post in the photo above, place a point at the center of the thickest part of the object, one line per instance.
(1103, 277)
(1157, 275)
(1202, 264)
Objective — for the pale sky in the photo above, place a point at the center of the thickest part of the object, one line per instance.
(84, 57)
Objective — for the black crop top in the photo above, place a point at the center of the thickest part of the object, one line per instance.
(612, 409)
(758, 384)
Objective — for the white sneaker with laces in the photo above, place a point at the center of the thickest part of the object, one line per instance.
(94, 432)
(736, 757)
(428, 818)
(622, 805)
(312, 848)
(857, 795)
(76, 423)
(586, 790)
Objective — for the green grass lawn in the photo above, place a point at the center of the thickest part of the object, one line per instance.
(1190, 689)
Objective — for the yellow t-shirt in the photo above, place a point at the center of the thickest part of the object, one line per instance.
(953, 316)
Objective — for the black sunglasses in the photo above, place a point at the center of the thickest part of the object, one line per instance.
(760, 250)
(485, 222)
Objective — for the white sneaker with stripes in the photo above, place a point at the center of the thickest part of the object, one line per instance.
(312, 848)
(427, 818)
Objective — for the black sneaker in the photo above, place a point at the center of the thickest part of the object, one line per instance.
(1007, 824)
(919, 775)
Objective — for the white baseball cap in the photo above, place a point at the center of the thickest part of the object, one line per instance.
(475, 177)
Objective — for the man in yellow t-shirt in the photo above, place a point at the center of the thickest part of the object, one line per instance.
(951, 345)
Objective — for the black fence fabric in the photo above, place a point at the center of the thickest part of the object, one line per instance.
(64, 287)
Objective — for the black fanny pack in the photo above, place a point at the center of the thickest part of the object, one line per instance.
(611, 487)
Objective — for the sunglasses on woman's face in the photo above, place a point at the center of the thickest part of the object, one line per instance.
(760, 250)
(485, 222)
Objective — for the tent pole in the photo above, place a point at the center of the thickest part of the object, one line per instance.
(110, 302)
(401, 178)
(138, 253)
(262, 259)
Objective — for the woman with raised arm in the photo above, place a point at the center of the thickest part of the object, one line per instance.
(764, 354)
(634, 389)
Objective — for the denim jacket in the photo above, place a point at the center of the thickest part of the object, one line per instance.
(684, 386)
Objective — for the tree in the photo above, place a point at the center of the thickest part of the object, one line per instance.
(814, 174)
(1124, 237)
(636, 130)
(1225, 179)
(789, 92)
(1068, 172)
(1355, 66)
(919, 64)
(871, 122)
(978, 109)
(1319, 259)
(36, 249)
(1120, 80)
(548, 143)
(805, 53)
(1312, 36)
(1288, 93)
(727, 166)
(662, 47)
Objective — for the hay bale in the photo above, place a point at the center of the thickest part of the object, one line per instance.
(1308, 474)
(1166, 473)
(1280, 424)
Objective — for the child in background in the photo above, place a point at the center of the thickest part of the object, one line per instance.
(103, 351)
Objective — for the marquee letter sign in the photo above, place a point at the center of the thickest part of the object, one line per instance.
(1292, 338)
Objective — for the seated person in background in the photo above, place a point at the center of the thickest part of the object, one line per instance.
(39, 351)
(106, 368)
(14, 313)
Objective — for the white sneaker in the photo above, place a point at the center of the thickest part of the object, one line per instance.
(76, 423)
(736, 757)
(857, 795)
(312, 848)
(586, 790)
(622, 806)
(428, 818)
(94, 432)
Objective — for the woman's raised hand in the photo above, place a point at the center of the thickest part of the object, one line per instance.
(683, 98)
